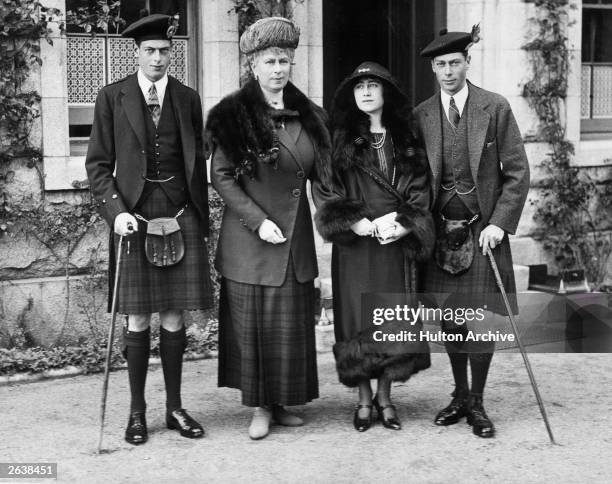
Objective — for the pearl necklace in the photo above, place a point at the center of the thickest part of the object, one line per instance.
(380, 143)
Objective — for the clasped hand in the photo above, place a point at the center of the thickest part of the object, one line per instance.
(269, 232)
(384, 228)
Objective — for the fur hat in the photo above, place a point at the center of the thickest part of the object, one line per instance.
(270, 32)
(450, 42)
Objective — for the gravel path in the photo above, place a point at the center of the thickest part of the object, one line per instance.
(57, 421)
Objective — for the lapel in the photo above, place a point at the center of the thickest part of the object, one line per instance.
(132, 105)
(182, 112)
(432, 134)
(478, 123)
(289, 141)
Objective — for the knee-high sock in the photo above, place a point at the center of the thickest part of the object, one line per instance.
(459, 366)
(479, 364)
(458, 357)
(171, 348)
(136, 352)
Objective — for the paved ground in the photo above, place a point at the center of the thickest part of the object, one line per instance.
(57, 421)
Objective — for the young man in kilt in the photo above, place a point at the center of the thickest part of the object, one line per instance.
(480, 180)
(146, 160)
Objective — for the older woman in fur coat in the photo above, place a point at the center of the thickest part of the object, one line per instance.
(380, 224)
(268, 139)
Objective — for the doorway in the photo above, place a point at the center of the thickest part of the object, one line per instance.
(390, 32)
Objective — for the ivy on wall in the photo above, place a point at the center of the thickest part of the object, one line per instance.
(573, 212)
(249, 11)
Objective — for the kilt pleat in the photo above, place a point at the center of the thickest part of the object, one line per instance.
(145, 288)
(267, 341)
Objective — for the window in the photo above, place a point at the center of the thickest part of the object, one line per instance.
(96, 61)
(596, 81)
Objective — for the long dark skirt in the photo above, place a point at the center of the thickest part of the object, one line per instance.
(145, 288)
(267, 342)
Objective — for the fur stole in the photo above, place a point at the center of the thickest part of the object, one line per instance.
(241, 125)
(352, 148)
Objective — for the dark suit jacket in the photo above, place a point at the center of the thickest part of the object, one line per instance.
(277, 193)
(498, 162)
(116, 159)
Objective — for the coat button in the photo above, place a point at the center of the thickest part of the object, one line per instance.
(104, 200)
(300, 174)
(296, 192)
(114, 195)
(142, 152)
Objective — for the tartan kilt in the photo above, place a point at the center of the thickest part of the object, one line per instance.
(145, 288)
(267, 341)
(477, 286)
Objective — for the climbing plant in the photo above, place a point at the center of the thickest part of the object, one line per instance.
(23, 24)
(249, 11)
(573, 210)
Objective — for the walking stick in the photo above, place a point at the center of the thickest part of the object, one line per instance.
(109, 345)
(534, 385)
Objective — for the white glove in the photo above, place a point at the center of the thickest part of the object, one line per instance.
(269, 232)
(125, 224)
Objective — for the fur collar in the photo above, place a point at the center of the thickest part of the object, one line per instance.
(241, 125)
(351, 148)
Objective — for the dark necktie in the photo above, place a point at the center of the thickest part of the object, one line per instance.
(453, 113)
(153, 104)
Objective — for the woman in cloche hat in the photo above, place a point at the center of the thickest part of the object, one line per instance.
(268, 139)
(380, 225)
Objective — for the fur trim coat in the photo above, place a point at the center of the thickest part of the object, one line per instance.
(361, 264)
(261, 161)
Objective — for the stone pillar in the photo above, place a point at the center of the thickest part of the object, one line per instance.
(219, 54)
(308, 71)
(54, 108)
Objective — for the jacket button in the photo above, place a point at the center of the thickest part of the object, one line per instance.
(104, 200)
(142, 152)
(114, 195)
(296, 192)
(300, 174)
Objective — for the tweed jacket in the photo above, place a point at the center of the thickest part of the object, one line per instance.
(116, 159)
(498, 162)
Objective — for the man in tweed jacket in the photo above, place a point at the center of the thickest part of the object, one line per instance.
(479, 173)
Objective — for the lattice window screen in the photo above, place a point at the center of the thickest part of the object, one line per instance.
(86, 68)
(93, 63)
(585, 92)
(602, 92)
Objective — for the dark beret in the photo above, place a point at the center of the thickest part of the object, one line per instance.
(152, 27)
(270, 32)
(449, 42)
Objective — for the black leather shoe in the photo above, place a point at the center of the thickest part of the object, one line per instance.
(478, 419)
(456, 410)
(187, 426)
(362, 424)
(392, 423)
(136, 432)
